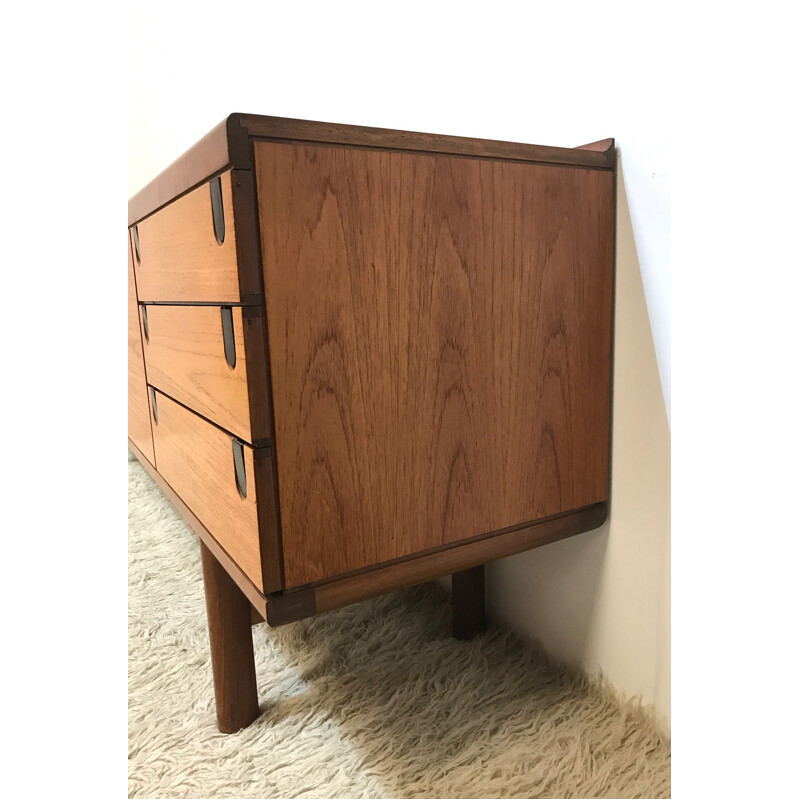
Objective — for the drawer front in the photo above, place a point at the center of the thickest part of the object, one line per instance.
(179, 257)
(187, 358)
(138, 411)
(197, 460)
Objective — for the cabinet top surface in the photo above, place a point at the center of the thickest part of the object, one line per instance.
(228, 146)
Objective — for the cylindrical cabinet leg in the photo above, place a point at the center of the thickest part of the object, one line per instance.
(469, 608)
(232, 656)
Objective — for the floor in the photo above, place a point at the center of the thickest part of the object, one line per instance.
(376, 700)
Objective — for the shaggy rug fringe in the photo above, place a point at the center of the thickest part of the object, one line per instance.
(373, 701)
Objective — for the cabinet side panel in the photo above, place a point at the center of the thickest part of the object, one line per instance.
(138, 408)
(440, 333)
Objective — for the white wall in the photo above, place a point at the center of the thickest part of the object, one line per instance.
(602, 599)
(559, 74)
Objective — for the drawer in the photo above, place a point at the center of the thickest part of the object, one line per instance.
(180, 256)
(138, 412)
(187, 357)
(198, 460)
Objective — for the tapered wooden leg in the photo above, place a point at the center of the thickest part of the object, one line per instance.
(232, 656)
(469, 611)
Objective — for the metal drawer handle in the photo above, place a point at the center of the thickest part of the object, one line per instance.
(217, 210)
(136, 243)
(145, 326)
(238, 465)
(227, 335)
(153, 404)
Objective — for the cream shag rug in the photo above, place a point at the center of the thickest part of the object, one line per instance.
(374, 700)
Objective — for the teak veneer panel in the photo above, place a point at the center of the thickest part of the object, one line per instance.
(185, 357)
(138, 408)
(440, 333)
(196, 460)
(298, 130)
(180, 258)
(227, 146)
(301, 603)
(224, 147)
(430, 566)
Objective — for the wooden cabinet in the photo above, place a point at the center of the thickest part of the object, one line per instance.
(138, 410)
(185, 254)
(400, 342)
(439, 334)
(202, 356)
(224, 481)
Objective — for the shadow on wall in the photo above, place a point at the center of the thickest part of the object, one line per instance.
(601, 600)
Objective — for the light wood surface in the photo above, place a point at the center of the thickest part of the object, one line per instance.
(185, 358)
(138, 408)
(246, 586)
(223, 147)
(196, 459)
(439, 333)
(180, 257)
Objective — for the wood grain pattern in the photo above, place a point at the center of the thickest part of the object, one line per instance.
(301, 130)
(248, 245)
(196, 459)
(185, 357)
(138, 408)
(254, 595)
(223, 147)
(180, 257)
(227, 146)
(439, 333)
(294, 605)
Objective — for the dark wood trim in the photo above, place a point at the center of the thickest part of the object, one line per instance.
(447, 547)
(260, 444)
(297, 604)
(255, 617)
(290, 607)
(266, 507)
(469, 603)
(282, 608)
(613, 322)
(248, 588)
(227, 146)
(277, 128)
(272, 536)
(256, 360)
(602, 146)
(248, 245)
(216, 303)
(231, 637)
(224, 147)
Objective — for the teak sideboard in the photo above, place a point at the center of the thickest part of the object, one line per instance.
(361, 359)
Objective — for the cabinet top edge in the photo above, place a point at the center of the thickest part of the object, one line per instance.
(227, 146)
